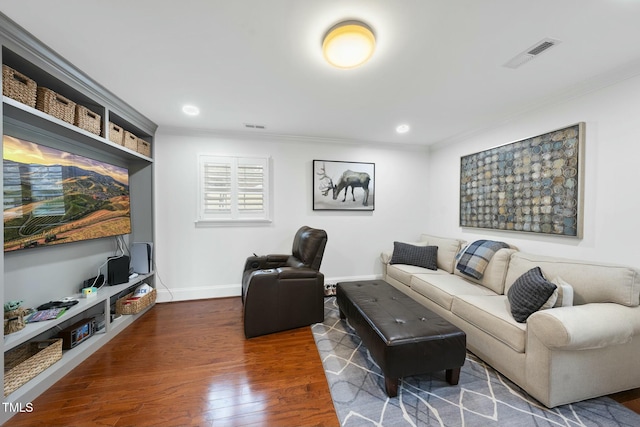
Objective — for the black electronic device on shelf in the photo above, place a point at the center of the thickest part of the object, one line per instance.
(57, 304)
(77, 333)
(118, 270)
(96, 281)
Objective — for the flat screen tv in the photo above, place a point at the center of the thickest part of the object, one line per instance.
(52, 196)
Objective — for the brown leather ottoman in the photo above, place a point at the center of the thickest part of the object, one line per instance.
(402, 336)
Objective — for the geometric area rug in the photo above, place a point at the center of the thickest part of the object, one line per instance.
(483, 397)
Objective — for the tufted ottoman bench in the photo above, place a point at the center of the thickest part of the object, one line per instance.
(402, 336)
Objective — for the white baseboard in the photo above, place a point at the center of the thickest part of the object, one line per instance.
(234, 290)
(203, 292)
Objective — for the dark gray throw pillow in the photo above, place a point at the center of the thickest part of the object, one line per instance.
(528, 293)
(421, 256)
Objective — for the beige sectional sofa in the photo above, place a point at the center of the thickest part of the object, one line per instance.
(561, 354)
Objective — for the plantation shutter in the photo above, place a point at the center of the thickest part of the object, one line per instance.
(217, 188)
(233, 189)
(250, 187)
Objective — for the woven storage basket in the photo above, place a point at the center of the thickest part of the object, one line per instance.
(17, 86)
(130, 141)
(133, 307)
(144, 147)
(116, 134)
(27, 360)
(57, 105)
(88, 120)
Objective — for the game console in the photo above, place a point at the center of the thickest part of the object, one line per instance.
(117, 270)
(141, 257)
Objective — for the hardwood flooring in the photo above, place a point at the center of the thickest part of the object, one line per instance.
(188, 364)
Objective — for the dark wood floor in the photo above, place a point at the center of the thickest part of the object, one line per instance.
(188, 364)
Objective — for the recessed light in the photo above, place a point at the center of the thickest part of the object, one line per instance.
(403, 128)
(191, 110)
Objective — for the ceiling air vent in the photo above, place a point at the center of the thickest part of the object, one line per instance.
(532, 52)
(254, 126)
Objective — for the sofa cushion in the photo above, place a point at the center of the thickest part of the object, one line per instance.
(591, 282)
(447, 250)
(418, 255)
(491, 314)
(442, 288)
(565, 292)
(403, 272)
(495, 272)
(529, 293)
(551, 301)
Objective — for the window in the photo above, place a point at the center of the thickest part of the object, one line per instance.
(233, 189)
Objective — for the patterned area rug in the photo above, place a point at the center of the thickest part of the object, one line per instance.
(483, 397)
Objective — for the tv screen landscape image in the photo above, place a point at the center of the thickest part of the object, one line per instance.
(52, 196)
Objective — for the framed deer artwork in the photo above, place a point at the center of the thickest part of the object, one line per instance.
(343, 185)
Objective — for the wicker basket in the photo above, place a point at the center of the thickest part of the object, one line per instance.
(144, 147)
(17, 86)
(27, 360)
(132, 307)
(130, 141)
(116, 134)
(88, 120)
(57, 105)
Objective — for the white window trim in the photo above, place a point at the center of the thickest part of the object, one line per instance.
(234, 217)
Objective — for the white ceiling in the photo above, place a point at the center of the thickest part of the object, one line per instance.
(438, 65)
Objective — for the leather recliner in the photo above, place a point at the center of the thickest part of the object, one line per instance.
(281, 292)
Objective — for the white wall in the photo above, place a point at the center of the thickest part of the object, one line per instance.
(204, 262)
(416, 191)
(612, 173)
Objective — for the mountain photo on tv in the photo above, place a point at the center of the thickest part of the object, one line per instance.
(52, 196)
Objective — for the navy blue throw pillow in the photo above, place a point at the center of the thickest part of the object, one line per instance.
(420, 256)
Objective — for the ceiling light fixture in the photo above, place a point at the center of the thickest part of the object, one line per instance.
(191, 110)
(348, 44)
(402, 128)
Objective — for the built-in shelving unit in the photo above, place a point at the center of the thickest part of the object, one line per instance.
(40, 275)
(71, 358)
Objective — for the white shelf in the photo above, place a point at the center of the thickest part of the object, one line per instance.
(32, 330)
(70, 359)
(25, 114)
(73, 357)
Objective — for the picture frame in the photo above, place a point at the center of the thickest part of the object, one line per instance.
(534, 185)
(344, 186)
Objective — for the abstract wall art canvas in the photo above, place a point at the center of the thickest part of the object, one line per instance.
(532, 185)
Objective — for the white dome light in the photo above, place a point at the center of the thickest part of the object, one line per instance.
(404, 128)
(191, 110)
(348, 44)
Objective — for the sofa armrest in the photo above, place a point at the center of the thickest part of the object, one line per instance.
(385, 257)
(585, 326)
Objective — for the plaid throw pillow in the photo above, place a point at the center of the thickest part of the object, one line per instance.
(420, 256)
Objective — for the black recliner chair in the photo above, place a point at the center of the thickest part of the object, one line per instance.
(281, 292)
